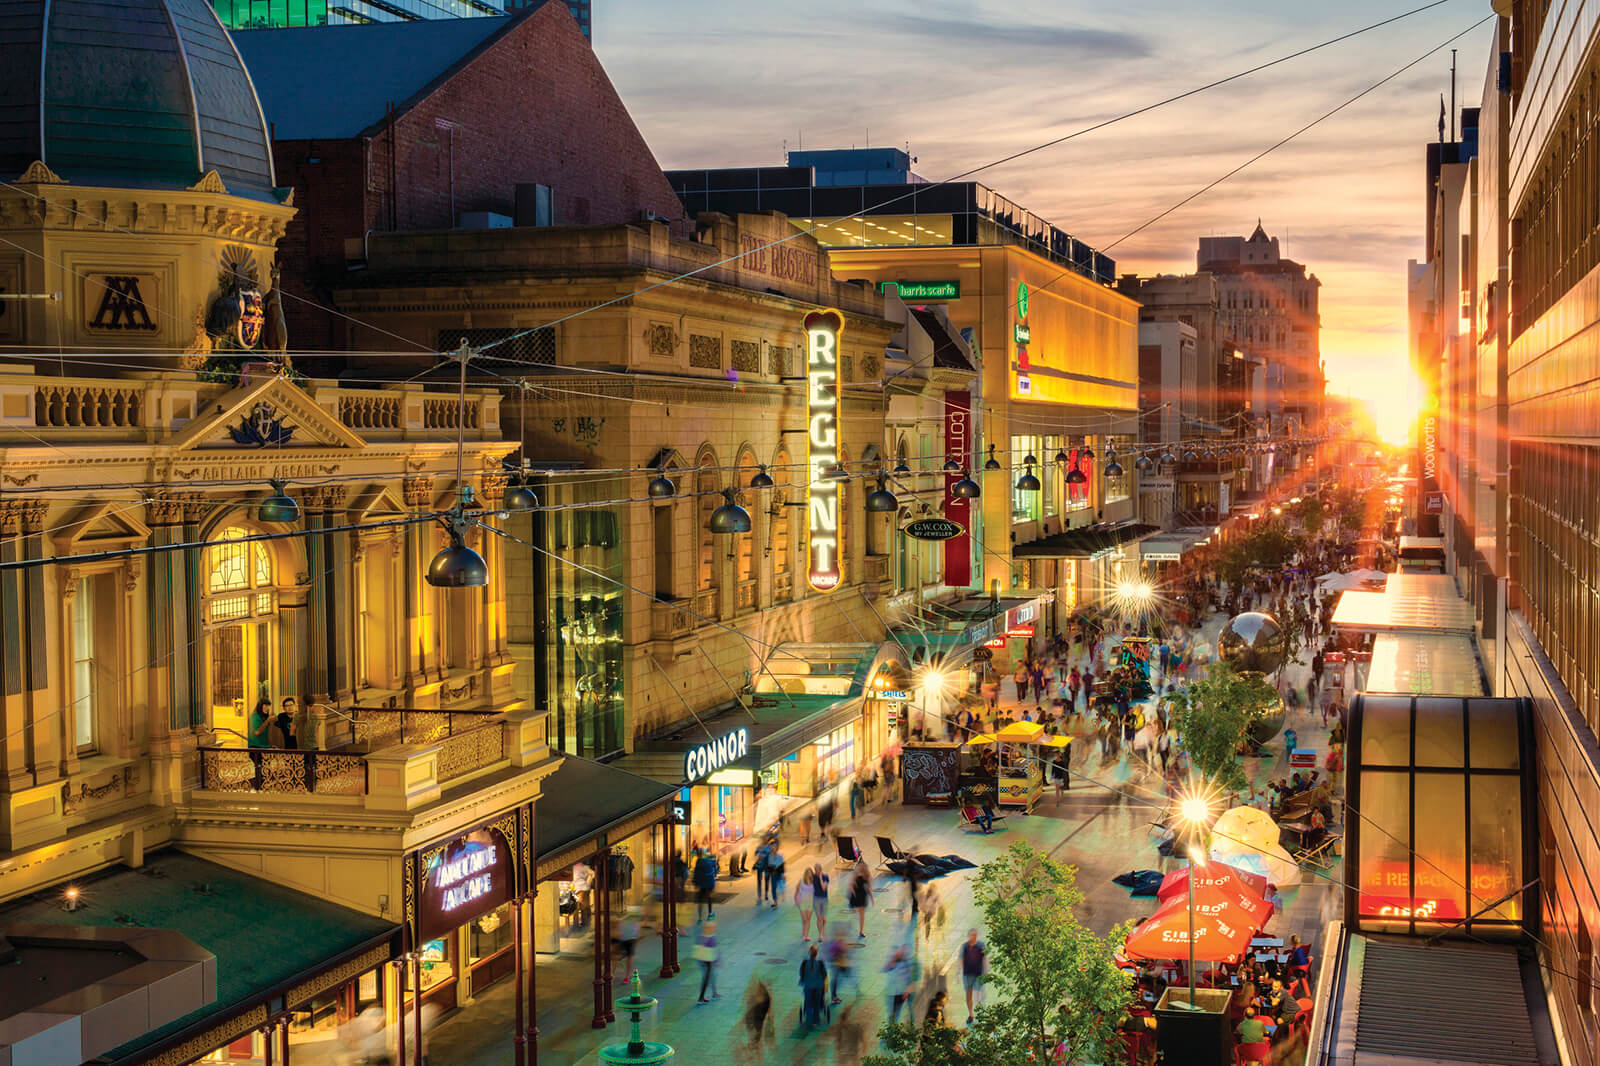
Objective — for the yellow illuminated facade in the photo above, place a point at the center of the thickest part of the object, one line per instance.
(1066, 380)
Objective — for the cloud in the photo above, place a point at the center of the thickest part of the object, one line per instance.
(1009, 38)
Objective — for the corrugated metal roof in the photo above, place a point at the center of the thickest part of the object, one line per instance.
(1445, 1003)
(333, 82)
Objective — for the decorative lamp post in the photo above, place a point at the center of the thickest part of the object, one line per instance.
(1195, 812)
(637, 1051)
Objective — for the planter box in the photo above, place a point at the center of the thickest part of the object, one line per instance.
(1188, 1037)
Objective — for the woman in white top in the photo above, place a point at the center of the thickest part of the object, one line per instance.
(803, 899)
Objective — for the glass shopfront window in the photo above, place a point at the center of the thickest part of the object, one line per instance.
(1024, 504)
(490, 934)
(586, 604)
(438, 962)
(836, 757)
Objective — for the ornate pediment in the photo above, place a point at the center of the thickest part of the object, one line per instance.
(274, 415)
(100, 527)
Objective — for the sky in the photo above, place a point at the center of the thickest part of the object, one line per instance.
(965, 82)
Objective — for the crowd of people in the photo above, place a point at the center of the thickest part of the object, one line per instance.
(1116, 708)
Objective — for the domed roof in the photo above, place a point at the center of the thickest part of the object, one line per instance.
(128, 93)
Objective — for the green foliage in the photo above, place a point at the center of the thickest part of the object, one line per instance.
(1266, 548)
(1051, 979)
(1213, 716)
(1313, 514)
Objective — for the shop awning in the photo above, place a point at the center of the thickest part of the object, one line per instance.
(273, 945)
(1421, 547)
(1474, 999)
(1425, 664)
(586, 805)
(1409, 601)
(1083, 543)
(1168, 548)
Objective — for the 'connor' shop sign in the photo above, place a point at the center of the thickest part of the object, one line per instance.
(707, 758)
(467, 878)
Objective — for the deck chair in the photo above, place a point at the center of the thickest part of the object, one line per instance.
(887, 852)
(1322, 855)
(849, 854)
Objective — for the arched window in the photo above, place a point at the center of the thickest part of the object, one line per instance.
(241, 615)
(780, 524)
(707, 498)
(744, 549)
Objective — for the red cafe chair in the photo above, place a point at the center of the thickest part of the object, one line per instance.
(1243, 1053)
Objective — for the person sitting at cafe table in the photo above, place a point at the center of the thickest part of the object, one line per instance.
(1276, 1000)
(1252, 1030)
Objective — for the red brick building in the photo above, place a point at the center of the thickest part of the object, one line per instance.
(434, 125)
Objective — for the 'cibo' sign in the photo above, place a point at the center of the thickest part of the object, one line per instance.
(467, 878)
(707, 759)
(822, 435)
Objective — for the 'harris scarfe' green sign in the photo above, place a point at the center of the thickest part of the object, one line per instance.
(924, 290)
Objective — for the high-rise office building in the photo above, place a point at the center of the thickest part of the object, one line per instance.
(278, 14)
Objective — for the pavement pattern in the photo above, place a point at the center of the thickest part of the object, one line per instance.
(1102, 826)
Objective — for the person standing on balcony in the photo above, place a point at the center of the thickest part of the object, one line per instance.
(260, 726)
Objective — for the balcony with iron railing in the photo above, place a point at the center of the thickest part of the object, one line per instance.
(154, 406)
(385, 758)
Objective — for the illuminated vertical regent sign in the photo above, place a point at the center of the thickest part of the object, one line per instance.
(822, 440)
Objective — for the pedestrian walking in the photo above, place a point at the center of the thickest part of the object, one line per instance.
(757, 1016)
(775, 875)
(857, 797)
(901, 969)
(814, 987)
(1021, 681)
(761, 866)
(860, 894)
(841, 957)
(705, 880)
(705, 953)
(974, 963)
(819, 899)
(804, 901)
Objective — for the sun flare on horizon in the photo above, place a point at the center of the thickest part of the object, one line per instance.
(1391, 400)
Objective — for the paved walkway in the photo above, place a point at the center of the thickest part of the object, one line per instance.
(1102, 827)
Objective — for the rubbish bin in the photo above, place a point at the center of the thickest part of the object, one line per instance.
(1198, 1036)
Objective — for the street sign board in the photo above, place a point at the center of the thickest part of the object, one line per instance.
(934, 529)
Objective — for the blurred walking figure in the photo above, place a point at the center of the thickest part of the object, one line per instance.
(901, 969)
(860, 894)
(757, 1016)
(804, 902)
(814, 986)
(705, 953)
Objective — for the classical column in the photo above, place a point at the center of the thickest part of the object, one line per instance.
(14, 748)
(269, 1037)
(417, 536)
(190, 641)
(283, 1032)
(341, 611)
(47, 753)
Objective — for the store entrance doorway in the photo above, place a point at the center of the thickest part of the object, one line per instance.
(241, 673)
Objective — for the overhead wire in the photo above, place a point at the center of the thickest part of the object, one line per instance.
(1012, 157)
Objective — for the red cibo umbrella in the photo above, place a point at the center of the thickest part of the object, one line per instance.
(1222, 929)
(1212, 873)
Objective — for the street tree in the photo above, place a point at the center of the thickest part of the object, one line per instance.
(1213, 716)
(1054, 982)
(1268, 548)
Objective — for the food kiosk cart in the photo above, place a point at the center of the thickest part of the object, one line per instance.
(1022, 749)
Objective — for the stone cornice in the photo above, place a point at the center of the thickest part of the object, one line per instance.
(164, 212)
